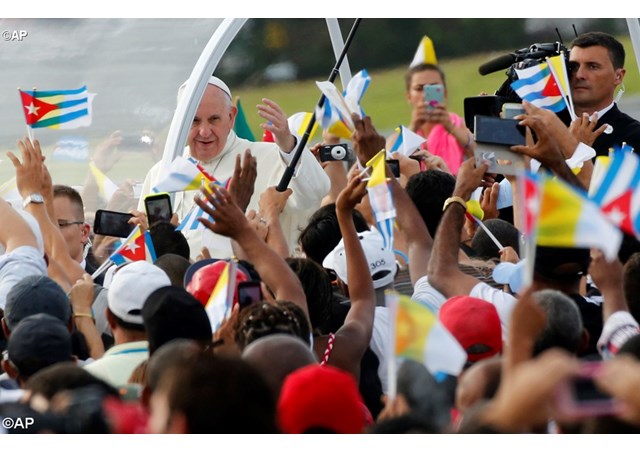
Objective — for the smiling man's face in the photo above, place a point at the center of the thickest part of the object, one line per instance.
(211, 125)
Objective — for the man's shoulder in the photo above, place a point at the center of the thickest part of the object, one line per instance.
(623, 119)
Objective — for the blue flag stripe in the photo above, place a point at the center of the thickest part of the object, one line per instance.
(61, 119)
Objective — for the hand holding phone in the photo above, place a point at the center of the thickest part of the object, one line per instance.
(580, 397)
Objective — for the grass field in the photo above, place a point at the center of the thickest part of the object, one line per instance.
(384, 102)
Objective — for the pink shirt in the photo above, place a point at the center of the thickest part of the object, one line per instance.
(441, 143)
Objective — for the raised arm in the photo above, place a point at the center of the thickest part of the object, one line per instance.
(444, 273)
(230, 221)
(354, 336)
(32, 177)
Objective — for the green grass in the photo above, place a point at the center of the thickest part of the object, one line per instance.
(384, 102)
(385, 99)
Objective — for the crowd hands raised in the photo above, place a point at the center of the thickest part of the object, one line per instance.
(310, 354)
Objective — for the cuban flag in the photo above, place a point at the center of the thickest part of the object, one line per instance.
(57, 109)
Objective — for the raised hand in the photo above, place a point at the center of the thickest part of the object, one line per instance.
(229, 220)
(277, 124)
(29, 173)
(366, 140)
(243, 180)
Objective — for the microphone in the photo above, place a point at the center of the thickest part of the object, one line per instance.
(501, 62)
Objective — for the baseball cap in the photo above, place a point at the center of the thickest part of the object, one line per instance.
(321, 398)
(36, 294)
(382, 261)
(201, 278)
(171, 312)
(130, 287)
(475, 324)
(561, 263)
(37, 342)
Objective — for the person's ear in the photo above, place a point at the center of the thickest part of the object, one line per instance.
(619, 76)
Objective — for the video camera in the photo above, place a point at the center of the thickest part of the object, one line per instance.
(519, 59)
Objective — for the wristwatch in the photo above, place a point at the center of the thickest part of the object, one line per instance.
(454, 199)
(33, 198)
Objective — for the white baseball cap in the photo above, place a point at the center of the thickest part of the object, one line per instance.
(382, 261)
(131, 286)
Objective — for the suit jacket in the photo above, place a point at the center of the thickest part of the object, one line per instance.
(625, 129)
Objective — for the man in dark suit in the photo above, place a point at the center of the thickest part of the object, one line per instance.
(596, 65)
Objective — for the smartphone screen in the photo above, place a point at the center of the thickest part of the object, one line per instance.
(498, 131)
(111, 223)
(433, 95)
(249, 293)
(579, 396)
(394, 165)
(158, 208)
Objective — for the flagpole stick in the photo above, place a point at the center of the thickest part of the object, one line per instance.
(290, 170)
(103, 267)
(486, 230)
(392, 372)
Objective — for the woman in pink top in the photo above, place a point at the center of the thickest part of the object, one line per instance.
(446, 134)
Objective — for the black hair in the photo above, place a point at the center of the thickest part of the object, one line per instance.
(220, 395)
(322, 233)
(506, 233)
(317, 288)
(260, 320)
(597, 38)
(428, 190)
(174, 266)
(167, 240)
(126, 325)
(64, 376)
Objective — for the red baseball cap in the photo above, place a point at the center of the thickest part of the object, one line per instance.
(321, 397)
(202, 279)
(475, 324)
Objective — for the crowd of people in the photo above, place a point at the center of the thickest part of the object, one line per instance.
(136, 350)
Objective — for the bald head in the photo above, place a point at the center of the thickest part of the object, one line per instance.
(276, 356)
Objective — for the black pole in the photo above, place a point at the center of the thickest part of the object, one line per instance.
(288, 172)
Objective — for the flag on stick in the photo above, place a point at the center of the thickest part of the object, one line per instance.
(138, 246)
(419, 336)
(381, 198)
(617, 191)
(219, 305)
(57, 109)
(407, 142)
(569, 219)
(537, 85)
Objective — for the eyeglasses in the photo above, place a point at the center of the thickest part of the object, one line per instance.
(63, 223)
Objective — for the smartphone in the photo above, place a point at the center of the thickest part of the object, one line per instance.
(433, 95)
(136, 140)
(394, 165)
(334, 152)
(158, 208)
(249, 293)
(111, 223)
(511, 109)
(498, 131)
(580, 397)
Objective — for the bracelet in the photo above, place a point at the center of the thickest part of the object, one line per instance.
(454, 199)
(83, 315)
